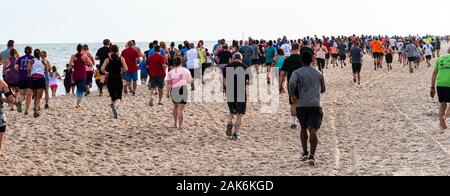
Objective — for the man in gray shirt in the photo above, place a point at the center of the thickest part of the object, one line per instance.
(411, 50)
(309, 83)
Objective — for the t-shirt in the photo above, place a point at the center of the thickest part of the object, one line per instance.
(240, 93)
(280, 61)
(355, 52)
(376, 46)
(321, 52)
(103, 53)
(192, 59)
(270, 54)
(23, 66)
(183, 52)
(130, 55)
(179, 77)
(309, 83)
(400, 46)
(443, 67)
(255, 52)
(155, 65)
(341, 48)
(287, 49)
(392, 42)
(152, 51)
(428, 49)
(224, 56)
(247, 53)
(291, 64)
(411, 50)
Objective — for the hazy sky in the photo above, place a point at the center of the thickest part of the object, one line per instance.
(69, 21)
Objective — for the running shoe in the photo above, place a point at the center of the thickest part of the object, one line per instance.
(160, 103)
(114, 111)
(133, 93)
(19, 106)
(235, 137)
(304, 157)
(36, 114)
(12, 109)
(229, 129)
(47, 106)
(26, 113)
(312, 160)
(293, 126)
(151, 102)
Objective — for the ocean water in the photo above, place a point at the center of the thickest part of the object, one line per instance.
(59, 54)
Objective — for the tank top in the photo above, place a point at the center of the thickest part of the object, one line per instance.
(11, 75)
(53, 79)
(79, 69)
(114, 68)
(38, 68)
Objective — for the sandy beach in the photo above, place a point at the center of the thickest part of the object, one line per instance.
(386, 126)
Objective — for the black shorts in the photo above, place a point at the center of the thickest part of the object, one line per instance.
(37, 83)
(389, 58)
(270, 64)
(193, 73)
(335, 56)
(443, 94)
(411, 59)
(342, 57)
(428, 57)
(90, 75)
(356, 67)
(24, 84)
(376, 54)
(156, 82)
(321, 64)
(255, 61)
(3, 129)
(179, 95)
(12, 85)
(310, 117)
(327, 56)
(237, 108)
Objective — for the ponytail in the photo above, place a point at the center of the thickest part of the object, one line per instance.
(79, 50)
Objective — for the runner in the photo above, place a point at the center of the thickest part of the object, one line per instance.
(114, 66)
(157, 71)
(101, 55)
(247, 53)
(291, 64)
(69, 85)
(48, 67)
(438, 47)
(321, 54)
(177, 80)
(356, 55)
(11, 74)
(37, 69)
(192, 63)
(286, 48)
(309, 83)
(279, 61)
(89, 70)
(342, 47)
(237, 94)
(54, 77)
(400, 51)
(132, 58)
(255, 54)
(78, 63)
(270, 53)
(411, 50)
(428, 52)
(440, 83)
(389, 56)
(10, 99)
(6, 54)
(334, 54)
(377, 50)
(24, 81)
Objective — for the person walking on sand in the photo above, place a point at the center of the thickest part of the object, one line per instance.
(132, 58)
(192, 59)
(53, 83)
(178, 80)
(37, 69)
(157, 71)
(89, 70)
(270, 53)
(10, 99)
(309, 83)
(6, 54)
(113, 67)
(24, 81)
(428, 52)
(356, 55)
(290, 65)
(237, 94)
(78, 62)
(440, 83)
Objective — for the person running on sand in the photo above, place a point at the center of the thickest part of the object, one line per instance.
(132, 58)
(101, 55)
(440, 83)
(69, 85)
(438, 47)
(279, 61)
(356, 55)
(270, 53)
(177, 81)
(47, 77)
(411, 50)
(89, 70)
(11, 74)
(6, 54)
(237, 94)
(37, 69)
(113, 67)
(54, 77)
(10, 99)
(24, 81)
(400, 51)
(428, 52)
(342, 51)
(309, 83)
(334, 54)
(78, 62)
(389, 57)
(192, 59)
(321, 53)
(157, 71)
(377, 51)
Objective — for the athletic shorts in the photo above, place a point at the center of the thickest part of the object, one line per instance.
(255, 61)
(443, 94)
(270, 64)
(327, 56)
(53, 86)
(342, 57)
(310, 117)
(237, 108)
(90, 75)
(12, 85)
(180, 95)
(411, 59)
(3, 129)
(247, 62)
(37, 83)
(335, 56)
(376, 54)
(128, 76)
(156, 82)
(428, 57)
(356, 67)
(24, 84)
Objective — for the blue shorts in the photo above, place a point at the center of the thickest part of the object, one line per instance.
(128, 76)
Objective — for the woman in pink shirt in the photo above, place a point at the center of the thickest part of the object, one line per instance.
(89, 70)
(177, 80)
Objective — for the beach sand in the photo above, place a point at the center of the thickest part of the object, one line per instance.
(386, 126)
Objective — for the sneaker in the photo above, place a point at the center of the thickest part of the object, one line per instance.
(101, 94)
(304, 156)
(47, 106)
(229, 129)
(160, 103)
(293, 126)
(19, 106)
(36, 114)
(312, 160)
(174, 126)
(235, 137)
(12, 109)
(114, 111)
(26, 113)
(180, 128)
(151, 102)
(133, 93)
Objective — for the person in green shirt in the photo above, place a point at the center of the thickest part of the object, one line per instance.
(440, 83)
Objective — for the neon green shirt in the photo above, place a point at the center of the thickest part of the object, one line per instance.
(443, 67)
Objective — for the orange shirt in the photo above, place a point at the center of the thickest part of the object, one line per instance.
(376, 46)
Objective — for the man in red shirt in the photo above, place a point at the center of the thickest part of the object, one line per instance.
(156, 65)
(132, 58)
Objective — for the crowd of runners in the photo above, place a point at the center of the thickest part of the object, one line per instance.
(173, 70)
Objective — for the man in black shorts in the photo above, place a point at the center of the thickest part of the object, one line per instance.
(291, 64)
(236, 94)
(356, 55)
(310, 84)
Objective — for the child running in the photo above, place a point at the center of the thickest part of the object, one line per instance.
(54, 77)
